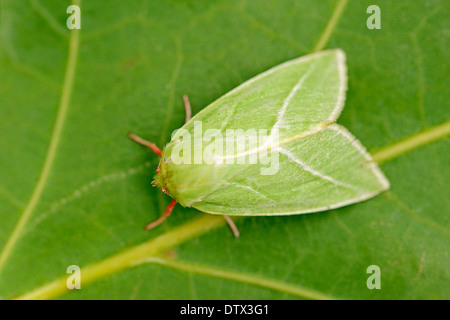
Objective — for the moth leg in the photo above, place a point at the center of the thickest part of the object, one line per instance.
(146, 143)
(232, 226)
(163, 217)
(187, 108)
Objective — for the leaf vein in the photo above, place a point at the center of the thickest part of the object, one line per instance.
(276, 128)
(53, 145)
(309, 169)
(240, 277)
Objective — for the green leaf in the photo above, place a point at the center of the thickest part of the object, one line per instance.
(75, 191)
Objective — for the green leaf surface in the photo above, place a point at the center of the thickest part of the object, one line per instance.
(75, 191)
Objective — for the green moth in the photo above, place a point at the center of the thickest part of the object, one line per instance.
(271, 146)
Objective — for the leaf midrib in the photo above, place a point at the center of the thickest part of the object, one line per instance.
(54, 142)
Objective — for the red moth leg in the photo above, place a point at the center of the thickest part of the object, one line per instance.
(156, 150)
(164, 216)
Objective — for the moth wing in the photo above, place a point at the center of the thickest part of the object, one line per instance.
(294, 97)
(320, 165)
(326, 170)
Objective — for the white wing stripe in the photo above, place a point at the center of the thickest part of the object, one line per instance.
(305, 167)
(248, 188)
(287, 101)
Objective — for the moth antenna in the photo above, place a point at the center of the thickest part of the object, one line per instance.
(163, 217)
(232, 226)
(187, 108)
(145, 143)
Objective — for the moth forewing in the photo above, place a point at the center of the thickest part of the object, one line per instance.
(304, 163)
(327, 170)
(314, 165)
